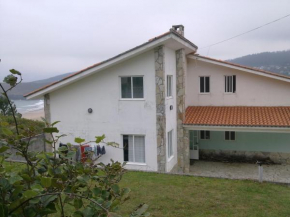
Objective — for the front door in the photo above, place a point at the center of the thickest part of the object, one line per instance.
(194, 153)
(194, 149)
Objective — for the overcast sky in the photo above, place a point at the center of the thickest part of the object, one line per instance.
(44, 38)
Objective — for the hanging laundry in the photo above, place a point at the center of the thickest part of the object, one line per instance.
(95, 151)
(99, 150)
(103, 150)
(78, 154)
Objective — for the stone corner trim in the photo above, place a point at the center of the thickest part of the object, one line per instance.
(160, 108)
(182, 134)
(47, 116)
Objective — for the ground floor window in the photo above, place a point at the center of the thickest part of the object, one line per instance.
(134, 148)
(169, 139)
(230, 135)
(204, 134)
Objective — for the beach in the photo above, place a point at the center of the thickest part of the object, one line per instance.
(30, 109)
(34, 115)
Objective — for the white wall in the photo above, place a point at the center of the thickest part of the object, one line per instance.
(251, 90)
(170, 69)
(111, 116)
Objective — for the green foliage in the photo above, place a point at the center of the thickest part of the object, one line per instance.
(79, 140)
(5, 108)
(8, 122)
(11, 80)
(52, 183)
(15, 72)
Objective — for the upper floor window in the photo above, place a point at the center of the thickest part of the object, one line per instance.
(230, 135)
(230, 84)
(132, 87)
(134, 148)
(169, 85)
(169, 143)
(204, 84)
(204, 134)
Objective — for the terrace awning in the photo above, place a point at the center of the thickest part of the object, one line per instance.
(238, 118)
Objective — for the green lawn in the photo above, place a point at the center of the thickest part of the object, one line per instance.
(173, 195)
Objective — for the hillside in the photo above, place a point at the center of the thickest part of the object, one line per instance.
(26, 87)
(278, 62)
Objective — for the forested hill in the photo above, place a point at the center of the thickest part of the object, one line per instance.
(27, 87)
(278, 62)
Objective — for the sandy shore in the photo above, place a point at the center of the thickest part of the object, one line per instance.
(35, 115)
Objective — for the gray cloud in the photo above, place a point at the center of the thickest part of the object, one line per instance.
(50, 37)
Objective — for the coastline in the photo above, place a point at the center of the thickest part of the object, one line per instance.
(34, 115)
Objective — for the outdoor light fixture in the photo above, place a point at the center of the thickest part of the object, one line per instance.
(90, 110)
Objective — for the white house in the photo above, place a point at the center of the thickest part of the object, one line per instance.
(165, 105)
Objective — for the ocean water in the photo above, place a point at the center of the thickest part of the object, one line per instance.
(24, 106)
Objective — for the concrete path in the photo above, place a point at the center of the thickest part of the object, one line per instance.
(273, 173)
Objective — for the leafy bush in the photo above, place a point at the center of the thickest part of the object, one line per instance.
(36, 125)
(49, 184)
(7, 106)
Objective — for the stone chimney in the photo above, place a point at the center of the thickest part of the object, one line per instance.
(179, 29)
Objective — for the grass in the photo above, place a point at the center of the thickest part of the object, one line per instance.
(173, 195)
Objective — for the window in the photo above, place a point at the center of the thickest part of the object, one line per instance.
(230, 135)
(169, 143)
(169, 85)
(204, 134)
(134, 148)
(132, 87)
(191, 139)
(204, 84)
(230, 84)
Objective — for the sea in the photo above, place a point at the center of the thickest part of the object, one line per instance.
(24, 106)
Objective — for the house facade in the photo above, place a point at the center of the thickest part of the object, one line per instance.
(164, 105)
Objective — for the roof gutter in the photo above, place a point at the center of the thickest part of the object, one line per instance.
(256, 129)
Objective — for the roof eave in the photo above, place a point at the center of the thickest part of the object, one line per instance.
(189, 46)
(261, 129)
(241, 68)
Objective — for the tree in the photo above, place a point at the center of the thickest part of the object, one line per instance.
(47, 184)
(5, 108)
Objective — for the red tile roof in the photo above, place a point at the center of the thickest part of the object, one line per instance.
(100, 63)
(97, 64)
(238, 116)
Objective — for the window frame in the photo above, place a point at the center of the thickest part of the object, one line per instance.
(170, 153)
(233, 87)
(205, 135)
(230, 137)
(132, 93)
(171, 86)
(209, 83)
(134, 162)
